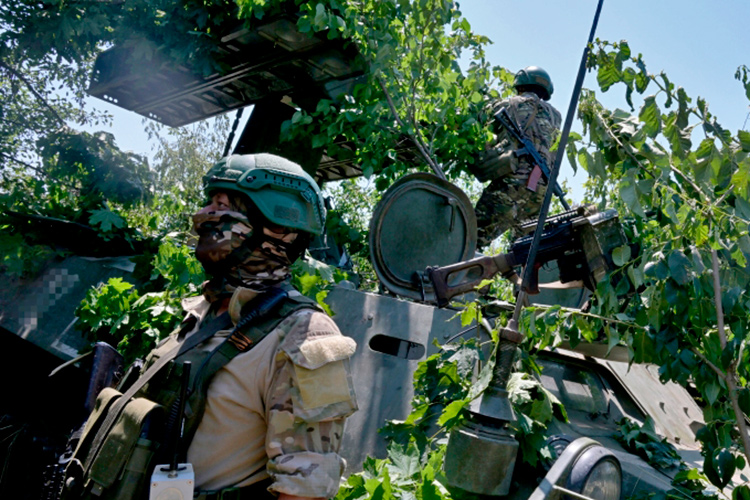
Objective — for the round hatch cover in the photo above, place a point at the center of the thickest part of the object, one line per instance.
(421, 221)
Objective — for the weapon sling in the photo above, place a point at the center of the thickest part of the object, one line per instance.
(275, 298)
(204, 333)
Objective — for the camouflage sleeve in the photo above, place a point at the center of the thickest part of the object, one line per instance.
(310, 396)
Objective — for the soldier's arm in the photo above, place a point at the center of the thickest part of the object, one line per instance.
(308, 401)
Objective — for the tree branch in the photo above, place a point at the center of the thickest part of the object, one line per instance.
(23, 163)
(39, 96)
(731, 376)
(37, 170)
(714, 368)
(417, 139)
(717, 299)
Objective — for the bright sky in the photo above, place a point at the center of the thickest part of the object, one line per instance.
(699, 44)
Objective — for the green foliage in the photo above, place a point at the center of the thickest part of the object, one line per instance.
(314, 279)
(20, 259)
(405, 474)
(535, 408)
(688, 484)
(414, 94)
(442, 385)
(134, 320)
(671, 168)
(687, 199)
(347, 222)
(94, 166)
(642, 440)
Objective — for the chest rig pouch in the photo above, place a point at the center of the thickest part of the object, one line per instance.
(126, 434)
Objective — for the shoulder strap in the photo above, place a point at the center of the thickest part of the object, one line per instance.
(243, 338)
(247, 334)
(532, 116)
(206, 331)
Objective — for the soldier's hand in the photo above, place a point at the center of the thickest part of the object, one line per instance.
(491, 164)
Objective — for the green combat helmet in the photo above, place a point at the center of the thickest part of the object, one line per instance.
(284, 193)
(536, 78)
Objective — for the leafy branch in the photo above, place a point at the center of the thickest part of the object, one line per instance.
(689, 211)
(50, 109)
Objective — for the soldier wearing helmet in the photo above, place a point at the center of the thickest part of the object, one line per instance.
(274, 415)
(511, 198)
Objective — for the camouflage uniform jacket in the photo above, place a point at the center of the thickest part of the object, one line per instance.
(538, 120)
(506, 201)
(277, 410)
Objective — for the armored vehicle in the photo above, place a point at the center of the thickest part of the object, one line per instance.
(394, 331)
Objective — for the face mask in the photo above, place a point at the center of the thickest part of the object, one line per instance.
(230, 248)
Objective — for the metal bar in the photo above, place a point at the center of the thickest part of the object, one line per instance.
(529, 268)
(570, 493)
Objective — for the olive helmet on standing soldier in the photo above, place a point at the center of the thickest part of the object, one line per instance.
(534, 79)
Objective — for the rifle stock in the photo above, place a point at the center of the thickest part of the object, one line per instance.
(466, 276)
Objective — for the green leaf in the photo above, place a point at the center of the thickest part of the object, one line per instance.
(541, 410)
(405, 460)
(106, 219)
(743, 398)
(679, 139)
(470, 314)
(621, 255)
(679, 266)
(484, 379)
(719, 467)
(741, 177)
(744, 138)
(630, 197)
(682, 110)
(741, 492)
(712, 392)
(452, 413)
(650, 116)
(607, 76)
(613, 339)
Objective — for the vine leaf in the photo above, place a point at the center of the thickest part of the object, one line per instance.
(452, 413)
(106, 219)
(405, 460)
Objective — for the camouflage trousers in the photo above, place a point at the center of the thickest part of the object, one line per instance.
(506, 203)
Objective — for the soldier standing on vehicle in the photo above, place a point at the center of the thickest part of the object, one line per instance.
(515, 192)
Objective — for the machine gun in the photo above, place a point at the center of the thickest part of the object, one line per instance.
(529, 149)
(580, 240)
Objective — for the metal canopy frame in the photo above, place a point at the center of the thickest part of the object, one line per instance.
(265, 61)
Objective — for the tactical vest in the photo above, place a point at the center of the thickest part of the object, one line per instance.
(537, 119)
(117, 464)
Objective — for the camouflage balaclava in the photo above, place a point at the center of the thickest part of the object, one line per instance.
(239, 247)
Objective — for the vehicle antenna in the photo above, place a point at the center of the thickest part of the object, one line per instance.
(528, 270)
